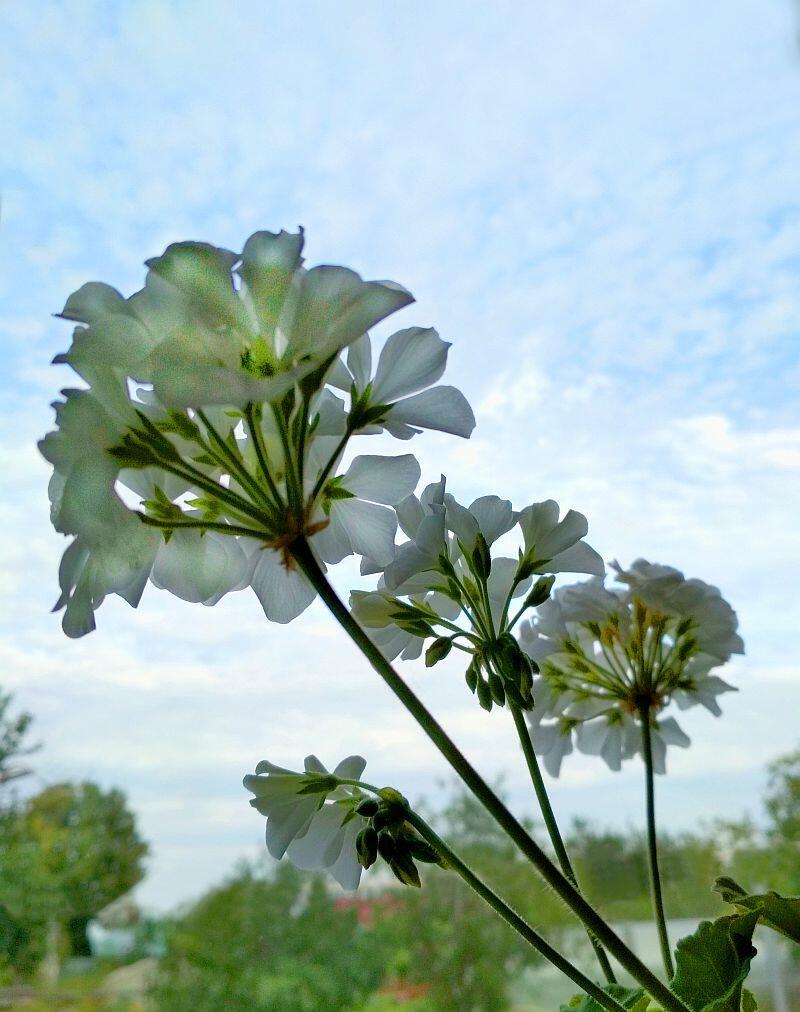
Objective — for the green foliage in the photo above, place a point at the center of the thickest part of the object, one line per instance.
(13, 731)
(88, 849)
(781, 913)
(713, 963)
(262, 942)
(631, 998)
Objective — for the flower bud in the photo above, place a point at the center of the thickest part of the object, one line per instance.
(484, 694)
(367, 847)
(438, 650)
(368, 807)
(386, 845)
(472, 675)
(540, 591)
(481, 559)
(497, 689)
(405, 870)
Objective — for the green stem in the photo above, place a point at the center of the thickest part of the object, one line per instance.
(559, 883)
(652, 846)
(323, 475)
(203, 525)
(510, 916)
(225, 455)
(254, 428)
(552, 826)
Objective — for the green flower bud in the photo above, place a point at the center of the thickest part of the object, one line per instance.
(484, 694)
(438, 650)
(472, 674)
(386, 845)
(405, 870)
(368, 807)
(367, 847)
(481, 559)
(540, 591)
(497, 689)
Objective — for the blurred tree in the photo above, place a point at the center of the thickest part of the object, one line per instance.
(13, 731)
(90, 850)
(270, 942)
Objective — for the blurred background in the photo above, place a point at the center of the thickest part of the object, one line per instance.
(598, 205)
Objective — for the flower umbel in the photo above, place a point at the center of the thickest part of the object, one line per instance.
(334, 821)
(613, 657)
(208, 440)
(444, 584)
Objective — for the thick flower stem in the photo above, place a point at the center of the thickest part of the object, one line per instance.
(304, 557)
(511, 917)
(552, 826)
(652, 846)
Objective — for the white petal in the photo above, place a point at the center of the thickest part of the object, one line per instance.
(411, 360)
(359, 361)
(579, 558)
(199, 567)
(321, 844)
(346, 869)
(442, 408)
(409, 515)
(461, 522)
(350, 768)
(387, 480)
(494, 515)
(284, 593)
(370, 528)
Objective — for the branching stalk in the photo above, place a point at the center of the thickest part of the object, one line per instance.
(552, 826)
(304, 557)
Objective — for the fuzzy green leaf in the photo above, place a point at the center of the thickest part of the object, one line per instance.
(631, 998)
(713, 963)
(781, 913)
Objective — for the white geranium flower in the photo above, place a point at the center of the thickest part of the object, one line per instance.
(613, 657)
(311, 818)
(215, 327)
(207, 417)
(397, 397)
(444, 584)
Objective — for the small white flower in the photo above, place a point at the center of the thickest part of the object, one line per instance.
(396, 398)
(609, 656)
(315, 830)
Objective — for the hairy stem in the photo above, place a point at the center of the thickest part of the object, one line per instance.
(652, 845)
(511, 917)
(304, 557)
(552, 826)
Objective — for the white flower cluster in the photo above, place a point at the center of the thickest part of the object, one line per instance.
(443, 582)
(613, 657)
(209, 436)
(311, 818)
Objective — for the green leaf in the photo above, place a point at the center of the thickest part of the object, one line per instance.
(781, 913)
(749, 1003)
(632, 998)
(713, 963)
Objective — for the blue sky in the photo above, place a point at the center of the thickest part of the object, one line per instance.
(597, 203)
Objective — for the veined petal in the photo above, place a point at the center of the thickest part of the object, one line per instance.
(578, 558)
(494, 515)
(269, 263)
(346, 869)
(444, 409)
(202, 273)
(199, 566)
(284, 592)
(387, 480)
(411, 360)
(359, 361)
(335, 307)
(370, 528)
